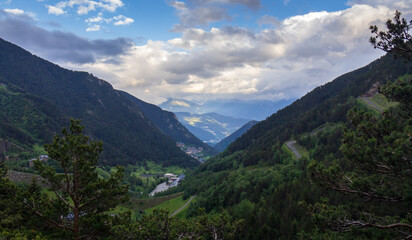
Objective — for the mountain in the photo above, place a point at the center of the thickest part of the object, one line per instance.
(210, 127)
(221, 146)
(168, 123)
(256, 109)
(259, 180)
(56, 94)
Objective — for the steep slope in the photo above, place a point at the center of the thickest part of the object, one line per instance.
(168, 123)
(26, 119)
(327, 103)
(256, 179)
(221, 146)
(210, 127)
(127, 135)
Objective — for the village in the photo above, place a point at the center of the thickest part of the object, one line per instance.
(194, 152)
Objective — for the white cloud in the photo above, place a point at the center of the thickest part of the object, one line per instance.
(85, 6)
(117, 21)
(55, 10)
(93, 28)
(98, 19)
(19, 12)
(122, 20)
(14, 11)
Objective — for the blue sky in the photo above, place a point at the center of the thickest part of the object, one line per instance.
(200, 49)
(155, 19)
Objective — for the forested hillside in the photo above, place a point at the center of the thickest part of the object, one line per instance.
(222, 145)
(27, 119)
(168, 123)
(258, 179)
(57, 94)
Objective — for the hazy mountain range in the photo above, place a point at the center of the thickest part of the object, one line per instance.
(254, 110)
(210, 127)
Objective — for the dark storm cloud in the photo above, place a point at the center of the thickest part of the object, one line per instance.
(54, 24)
(202, 12)
(58, 45)
(252, 4)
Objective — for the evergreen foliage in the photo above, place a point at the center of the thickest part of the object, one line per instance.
(396, 39)
(81, 199)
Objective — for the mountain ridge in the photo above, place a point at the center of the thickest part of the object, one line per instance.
(169, 124)
(222, 145)
(128, 136)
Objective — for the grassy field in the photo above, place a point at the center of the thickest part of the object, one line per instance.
(380, 101)
(149, 168)
(146, 203)
(182, 214)
(171, 205)
(137, 205)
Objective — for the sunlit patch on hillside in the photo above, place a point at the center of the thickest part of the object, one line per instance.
(192, 120)
(179, 103)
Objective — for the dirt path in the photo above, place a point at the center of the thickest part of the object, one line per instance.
(291, 146)
(180, 209)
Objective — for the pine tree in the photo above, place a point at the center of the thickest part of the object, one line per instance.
(81, 198)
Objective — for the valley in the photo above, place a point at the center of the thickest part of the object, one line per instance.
(246, 139)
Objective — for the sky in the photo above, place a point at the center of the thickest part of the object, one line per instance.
(202, 49)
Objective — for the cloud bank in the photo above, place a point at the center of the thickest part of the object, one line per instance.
(283, 60)
(58, 46)
(194, 13)
(279, 62)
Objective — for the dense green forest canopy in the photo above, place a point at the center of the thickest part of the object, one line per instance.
(353, 180)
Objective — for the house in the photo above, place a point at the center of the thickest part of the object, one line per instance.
(41, 158)
(170, 175)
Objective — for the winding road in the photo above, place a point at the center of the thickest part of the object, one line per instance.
(372, 104)
(183, 207)
(291, 146)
